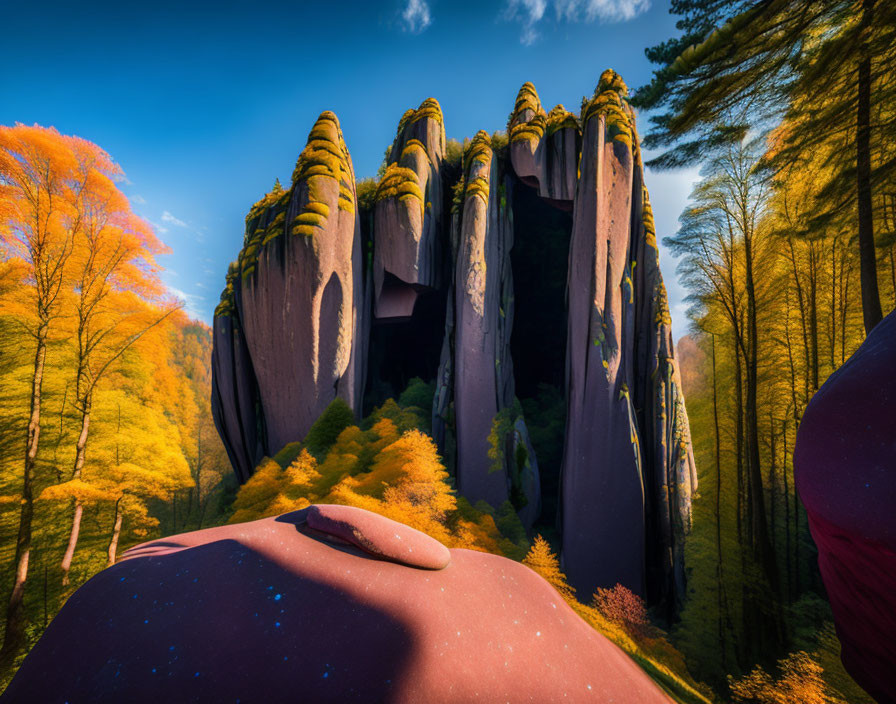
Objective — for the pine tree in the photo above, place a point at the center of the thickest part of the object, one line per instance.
(824, 65)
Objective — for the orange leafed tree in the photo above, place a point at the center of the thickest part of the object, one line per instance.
(82, 258)
(40, 179)
(116, 287)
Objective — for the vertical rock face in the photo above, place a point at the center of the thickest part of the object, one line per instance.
(293, 328)
(234, 391)
(298, 292)
(482, 322)
(628, 468)
(408, 213)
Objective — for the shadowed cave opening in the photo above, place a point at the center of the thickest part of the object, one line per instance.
(539, 257)
(404, 348)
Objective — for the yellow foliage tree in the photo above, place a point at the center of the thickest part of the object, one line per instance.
(542, 559)
(391, 469)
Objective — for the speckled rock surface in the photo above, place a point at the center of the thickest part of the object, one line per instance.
(845, 472)
(262, 612)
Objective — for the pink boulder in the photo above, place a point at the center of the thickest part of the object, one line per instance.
(275, 611)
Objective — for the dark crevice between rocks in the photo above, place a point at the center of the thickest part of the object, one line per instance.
(404, 348)
(539, 258)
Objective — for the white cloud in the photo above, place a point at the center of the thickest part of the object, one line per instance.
(531, 12)
(160, 229)
(192, 302)
(138, 199)
(603, 10)
(171, 220)
(416, 16)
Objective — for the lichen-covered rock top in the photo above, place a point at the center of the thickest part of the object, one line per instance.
(609, 102)
(324, 160)
(477, 160)
(425, 124)
(266, 611)
(544, 147)
(408, 213)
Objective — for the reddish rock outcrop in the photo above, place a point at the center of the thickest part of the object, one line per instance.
(294, 325)
(845, 472)
(628, 469)
(270, 612)
(298, 293)
(408, 213)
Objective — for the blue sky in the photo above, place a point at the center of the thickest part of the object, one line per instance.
(205, 104)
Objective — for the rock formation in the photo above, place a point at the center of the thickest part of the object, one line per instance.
(627, 445)
(463, 284)
(294, 301)
(845, 471)
(323, 604)
(408, 213)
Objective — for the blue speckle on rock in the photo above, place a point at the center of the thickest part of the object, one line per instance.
(277, 597)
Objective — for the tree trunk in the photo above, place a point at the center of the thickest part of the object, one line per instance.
(72, 542)
(761, 542)
(719, 568)
(14, 635)
(787, 543)
(116, 532)
(813, 313)
(80, 454)
(871, 309)
(81, 444)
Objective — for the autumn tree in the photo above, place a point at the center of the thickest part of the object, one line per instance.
(116, 283)
(542, 559)
(800, 680)
(42, 175)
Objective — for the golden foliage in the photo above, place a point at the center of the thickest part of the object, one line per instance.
(391, 469)
(800, 680)
(542, 559)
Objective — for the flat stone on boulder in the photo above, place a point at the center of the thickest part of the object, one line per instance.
(379, 536)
